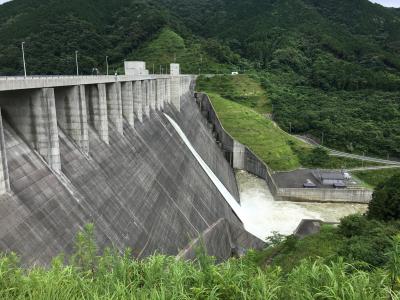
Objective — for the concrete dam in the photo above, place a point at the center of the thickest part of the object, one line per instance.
(102, 150)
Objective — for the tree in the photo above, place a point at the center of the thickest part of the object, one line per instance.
(317, 157)
(385, 203)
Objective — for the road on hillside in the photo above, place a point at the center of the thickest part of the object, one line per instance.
(374, 168)
(348, 155)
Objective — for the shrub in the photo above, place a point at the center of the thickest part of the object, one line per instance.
(353, 225)
(366, 240)
(385, 203)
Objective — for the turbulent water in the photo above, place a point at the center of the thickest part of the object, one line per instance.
(260, 214)
(264, 216)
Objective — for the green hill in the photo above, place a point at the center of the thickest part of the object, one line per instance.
(192, 54)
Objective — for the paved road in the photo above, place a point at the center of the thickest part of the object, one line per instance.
(348, 155)
(375, 168)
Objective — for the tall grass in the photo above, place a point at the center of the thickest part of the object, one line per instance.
(113, 275)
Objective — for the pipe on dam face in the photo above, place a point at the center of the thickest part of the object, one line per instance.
(219, 185)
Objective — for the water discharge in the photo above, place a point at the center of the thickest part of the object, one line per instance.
(264, 215)
(260, 213)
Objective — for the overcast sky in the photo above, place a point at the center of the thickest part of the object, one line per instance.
(390, 3)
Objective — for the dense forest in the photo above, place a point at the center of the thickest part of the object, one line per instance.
(330, 68)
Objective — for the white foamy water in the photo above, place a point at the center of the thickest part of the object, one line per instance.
(258, 211)
(264, 215)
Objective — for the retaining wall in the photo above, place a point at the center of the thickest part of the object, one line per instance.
(326, 195)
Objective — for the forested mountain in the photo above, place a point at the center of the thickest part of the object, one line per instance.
(264, 32)
(330, 67)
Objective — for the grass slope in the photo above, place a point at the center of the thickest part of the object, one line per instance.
(243, 89)
(374, 177)
(257, 132)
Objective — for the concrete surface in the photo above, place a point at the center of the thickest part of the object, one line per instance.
(142, 188)
(296, 179)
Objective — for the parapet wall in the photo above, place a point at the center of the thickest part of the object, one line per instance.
(115, 161)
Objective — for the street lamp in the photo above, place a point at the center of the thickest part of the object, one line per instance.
(76, 61)
(23, 57)
(107, 63)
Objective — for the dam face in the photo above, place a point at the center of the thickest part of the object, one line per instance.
(104, 153)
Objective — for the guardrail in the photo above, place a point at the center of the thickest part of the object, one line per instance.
(53, 77)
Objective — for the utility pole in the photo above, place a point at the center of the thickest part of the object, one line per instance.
(322, 140)
(160, 69)
(76, 61)
(23, 57)
(290, 127)
(153, 68)
(107, 63)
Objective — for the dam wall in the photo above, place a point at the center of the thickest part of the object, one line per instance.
(121, 166)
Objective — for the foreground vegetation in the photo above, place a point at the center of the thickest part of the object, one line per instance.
(119, 276)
